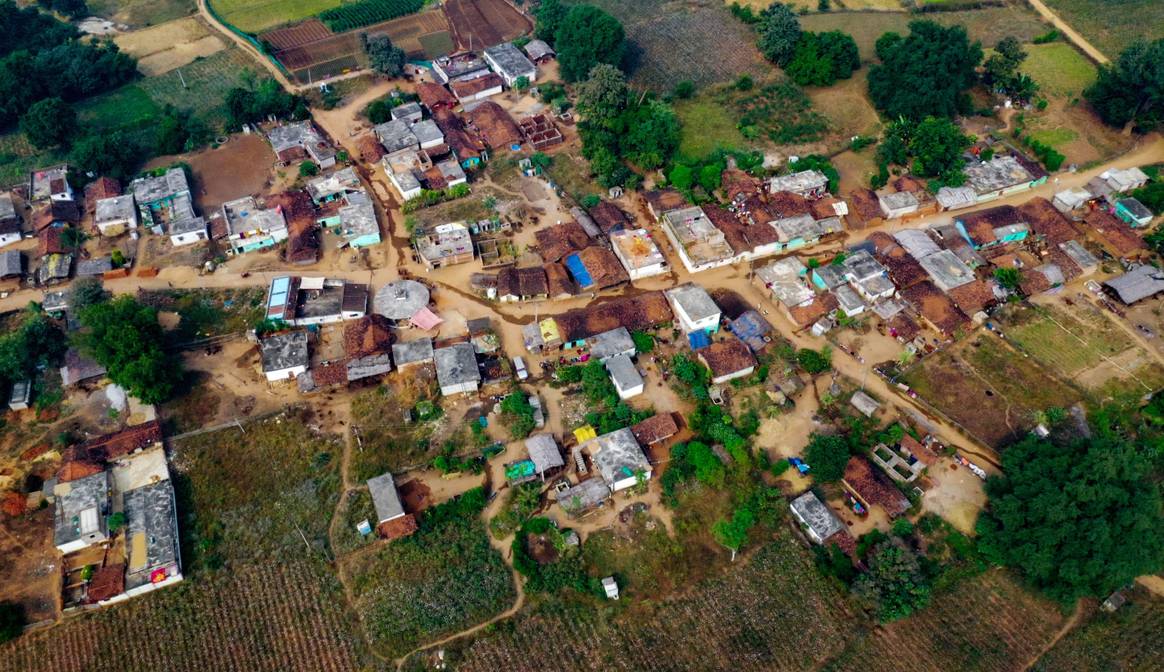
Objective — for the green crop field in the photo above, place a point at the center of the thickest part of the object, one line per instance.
(707, 125)
(1059, 69)
(1066, 342)
(254, 16)
(1112, 25)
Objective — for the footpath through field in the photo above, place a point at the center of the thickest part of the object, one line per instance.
(1064, 27)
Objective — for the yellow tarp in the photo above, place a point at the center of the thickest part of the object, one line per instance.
(585, 433)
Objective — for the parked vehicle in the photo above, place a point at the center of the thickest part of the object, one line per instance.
(519, 368)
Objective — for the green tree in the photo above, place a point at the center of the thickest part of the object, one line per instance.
(734, 532)
(602, 98)
(682, 177)
(684, 90)
(49, 123)
(894, 586)
(379, 111)
(85, 292)
(114, 154)
(710, 176)
(308, 169)
(1131, 90)
(651, 134)
(814, 362)
(644, 342)
(937, 145)
(384, 57)
(779, 31)
(73, 238)
(1152, 196)
(521, 83)
(709, 470)
(586, 37)
(926, 73)
(821, 59)
(549, 16)
(35, 344)
(1077, 516)
(519, 415)
(124, 336)
(827, 455)
(1004, 63)
(1009, 278)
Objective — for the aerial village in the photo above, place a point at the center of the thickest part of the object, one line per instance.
(771, 297)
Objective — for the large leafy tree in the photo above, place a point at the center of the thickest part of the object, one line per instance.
(1132, 89)
(779, 33)
(49, 123)
(548, 15)
(1077, 516)
(925, 73)
(823, 58)
(937, 146)
(827, 455)
(36, 343)
(114, 154)
(384, 57)
(604, 95)
(895, 585)
(124, 336)
(651, 134)
(586, 37)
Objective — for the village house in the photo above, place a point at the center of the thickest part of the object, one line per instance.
(478, 88)
(935, 308)
(540, 131)
(368, 345)
(412, 353)
(1003, 175)
(458, 66)
(751, 328)
(303, 234)
(391, 520)
(1046, 222)
(508, 61)
(626, 378)
(595, 268)
(114, 216)
(993, 227)
(357, 221)
(401, 300)
(817, 520)
(700, 245)
(1124, 180)
(457, 371)
(655, 429)
(444, 245)
(867, 276)
(543, 461)
(694, 308)
(785, 279)
(1071, 200)
(639, 254)
(301, 140)
(905, 462)
(334, 186)
(865, 209)
(638, 312)
(78, 368)
(9, 221)
(806, 183)
(284, 355)
(434, 96)
(521, 284)
(1133, 212)
(1140, 283)
(661, 201)
(558, 240)
(410, 112)
(867, 405)
(494, 125)
(610, 344)
(748, 231)
(50, 184)
(585, 496)
(956, 198)
(727, 360)
(11, 264)
(538, 51)
(251, 228)
(619, 459)
(871, 487)
(1114, 235)
(304, 301)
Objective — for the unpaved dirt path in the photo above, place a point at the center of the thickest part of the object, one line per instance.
(1064, 27)
(1067, 627)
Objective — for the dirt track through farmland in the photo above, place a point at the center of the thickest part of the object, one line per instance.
(1078, 40)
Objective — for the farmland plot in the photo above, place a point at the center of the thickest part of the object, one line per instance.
(989, 623)
(737, 621)
(1130, 639)
(285, 616)
(675, 41)
(1112, 26)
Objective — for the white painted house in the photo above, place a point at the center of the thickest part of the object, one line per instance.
(694, 308)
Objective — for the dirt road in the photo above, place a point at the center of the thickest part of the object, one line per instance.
(1065, 28)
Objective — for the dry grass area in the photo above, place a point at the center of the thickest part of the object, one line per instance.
(170, 45)
(846, 105)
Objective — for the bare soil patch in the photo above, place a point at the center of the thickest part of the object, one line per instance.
(240, 167)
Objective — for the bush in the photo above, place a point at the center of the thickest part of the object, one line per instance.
(827, 455)
(308, 169)
(814, 362)
(684, 89)
(644, 342)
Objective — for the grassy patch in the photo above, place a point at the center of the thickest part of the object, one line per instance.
(253, 16)
(707, 126)
(201, 86)
(1066, 342)
(444, 578)
(1055, 137)
(1112, 26)
(572, 173)
(257, 495)
(1059, 69)
(356, 509)
(138, 13)
(646, 561)
(989, 25)
(197, 405)
(209, 312)
(391, 441)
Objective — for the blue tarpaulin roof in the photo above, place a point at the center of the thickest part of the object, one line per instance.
(698, 339)
(578, 270)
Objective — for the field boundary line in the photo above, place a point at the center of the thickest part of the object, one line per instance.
(236, 423)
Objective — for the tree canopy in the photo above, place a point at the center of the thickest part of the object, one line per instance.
(930, 148)
(1077, 516)
(779, 33)
(821, 59)
(246, 105)
(124, 336)
(586, 37)
(49, 123)
(70, 70)
(827, 454)
(1131, 90)
(548, 16)
(36, 343)
(926, 73)
(895, 585)
(384, 57)
(604, 94)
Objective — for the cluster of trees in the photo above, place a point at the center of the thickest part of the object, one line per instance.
(518, 414)
(1078, 516)
(384, 57)
(620, 129)
(253, 104)
(932, 147)
(926, 73)
(74, 9)
(1131, 90)
(43, 58)
(1001, 71)
(609, 411)
(810, 59)
(35, 344)
(582, 35)
(124, 336)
